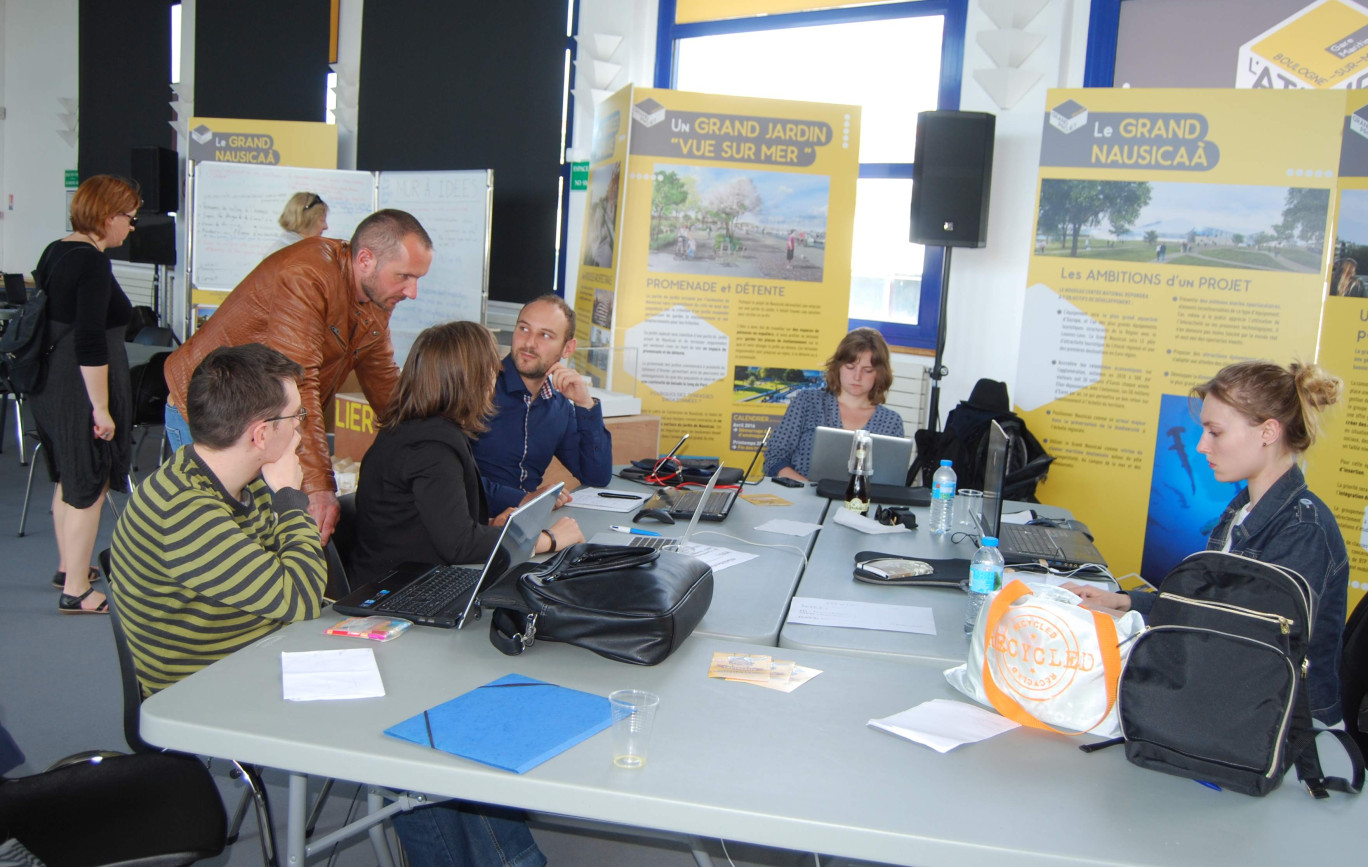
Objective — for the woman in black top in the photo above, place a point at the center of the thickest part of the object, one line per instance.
(419, 497)
(84, 410)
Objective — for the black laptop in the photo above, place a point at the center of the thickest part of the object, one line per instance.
(443, 595)
(1028, 543)
(716, 505)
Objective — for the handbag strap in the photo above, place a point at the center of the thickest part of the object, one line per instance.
(510, 635)
(1108, 645)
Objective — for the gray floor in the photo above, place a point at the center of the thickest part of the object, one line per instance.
(59, 694)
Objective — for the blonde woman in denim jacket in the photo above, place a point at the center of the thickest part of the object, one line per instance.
(1258, 419)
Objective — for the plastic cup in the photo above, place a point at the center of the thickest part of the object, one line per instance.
(633, 717)
(968, 510)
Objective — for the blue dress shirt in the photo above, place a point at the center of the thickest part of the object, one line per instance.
(525, 433)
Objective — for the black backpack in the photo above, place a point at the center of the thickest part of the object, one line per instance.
(1214, 688)
(964, 442)
(24, 348)
(1354, 675)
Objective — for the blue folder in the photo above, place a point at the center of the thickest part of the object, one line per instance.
(514, 723)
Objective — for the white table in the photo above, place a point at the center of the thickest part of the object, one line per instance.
(829, 576)
(797, 771)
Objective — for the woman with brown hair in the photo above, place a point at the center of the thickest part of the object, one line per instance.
(84, 409)
(858, 376)
(419, 497)
(1258, 418)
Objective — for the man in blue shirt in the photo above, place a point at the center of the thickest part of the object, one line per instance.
(541, 408)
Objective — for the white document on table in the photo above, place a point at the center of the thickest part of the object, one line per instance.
(588, 498)
(943, 725)
(319, 675)
(861, 615)
(718, 558)
(789, 528)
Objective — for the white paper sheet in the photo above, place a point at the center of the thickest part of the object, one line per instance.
(861, 615)
(943, 725)
(318, 675)
(718, 558)
(588, 498)
(789, 528)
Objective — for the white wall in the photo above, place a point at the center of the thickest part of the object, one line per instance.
(986, 285)
(40, 61)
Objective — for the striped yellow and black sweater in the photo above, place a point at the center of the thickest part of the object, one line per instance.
(198, 574)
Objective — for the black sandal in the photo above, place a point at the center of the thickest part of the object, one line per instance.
(72, 604)
(59, 578)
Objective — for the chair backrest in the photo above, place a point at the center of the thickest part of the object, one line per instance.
(150, 391)
(338, 585)
(345, 531)
(16, 292)
(155, 335)
(128, 672)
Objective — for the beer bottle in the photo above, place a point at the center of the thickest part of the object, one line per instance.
(857, 489)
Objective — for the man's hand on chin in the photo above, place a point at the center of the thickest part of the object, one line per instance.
(571, 384)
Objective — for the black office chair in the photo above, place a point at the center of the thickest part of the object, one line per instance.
(150, 394)
(156, 335)
(142, 810)
(132, 704)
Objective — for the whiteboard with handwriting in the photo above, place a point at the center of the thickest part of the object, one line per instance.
(233, 221)
(454, 208)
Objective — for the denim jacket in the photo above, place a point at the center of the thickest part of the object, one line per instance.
(1293, 528)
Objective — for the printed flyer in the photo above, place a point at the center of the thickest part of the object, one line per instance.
(1177, 231)
(728, 283)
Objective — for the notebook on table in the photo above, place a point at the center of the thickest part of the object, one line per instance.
(443, 595)
(1028, 543)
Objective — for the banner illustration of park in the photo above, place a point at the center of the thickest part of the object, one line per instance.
(1178, 231)
(726, 283)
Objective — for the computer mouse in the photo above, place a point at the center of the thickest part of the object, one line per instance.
(660, 515)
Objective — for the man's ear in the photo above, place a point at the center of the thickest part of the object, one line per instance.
(568, 349)
(365, 261)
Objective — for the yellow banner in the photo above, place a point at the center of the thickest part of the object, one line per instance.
(732, 264)
(1338, 467)
(692, 11)
(263, 142)
(1177, 231)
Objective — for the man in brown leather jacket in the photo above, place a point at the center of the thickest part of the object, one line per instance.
(325, 304)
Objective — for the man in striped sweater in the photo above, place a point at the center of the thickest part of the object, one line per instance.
(216, 548)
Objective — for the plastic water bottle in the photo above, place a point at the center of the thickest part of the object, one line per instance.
(942, 498)
(985, 576)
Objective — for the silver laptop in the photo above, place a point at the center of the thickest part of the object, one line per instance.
(831, 457)
(683, 544)
(443, 595)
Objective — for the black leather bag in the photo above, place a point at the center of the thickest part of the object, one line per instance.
(633, 605)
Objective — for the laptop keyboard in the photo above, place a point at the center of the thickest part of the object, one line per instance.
(1030, 539)
(688, 502)
(432, 594)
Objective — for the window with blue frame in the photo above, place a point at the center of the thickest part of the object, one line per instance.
(893, 60)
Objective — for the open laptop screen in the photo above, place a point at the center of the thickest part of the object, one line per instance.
(994, 477)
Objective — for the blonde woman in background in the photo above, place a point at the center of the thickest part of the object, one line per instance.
(305, 216)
